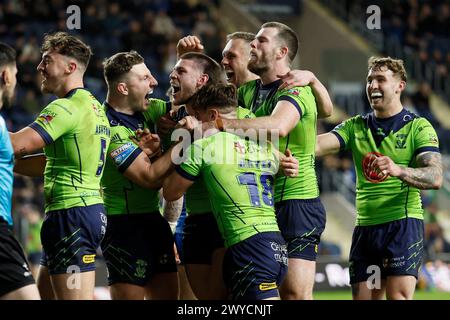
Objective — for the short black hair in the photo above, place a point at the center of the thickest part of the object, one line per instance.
(7, 55)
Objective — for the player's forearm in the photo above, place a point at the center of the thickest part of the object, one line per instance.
(324, 103)
(422, 178)
(32, 166)
(171, 191)
(158, 170)
(428, 175)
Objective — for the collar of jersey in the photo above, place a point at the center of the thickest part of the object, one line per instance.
(116, 118)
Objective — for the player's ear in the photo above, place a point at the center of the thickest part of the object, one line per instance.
(213, 114)
(401, 86)
(4, 78)
(282, 52)
(202, 80)
(71, 67)
(122, 88)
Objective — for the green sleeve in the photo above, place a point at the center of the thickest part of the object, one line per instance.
(425, 137)
(156, 109)
(123, 152)
(193, 164)
(55, 120)
(300, 97)
(345, 133)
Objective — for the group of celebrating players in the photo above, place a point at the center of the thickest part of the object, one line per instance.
(236, 146)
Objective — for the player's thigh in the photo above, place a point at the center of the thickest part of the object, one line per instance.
(400, 287)
(366, 291)
(29, 292)
(163, 286)
(74, 286)
(217, 288)
(44, 284)
(198, 276)
(186, 292)
(299, 281)
(126, 291)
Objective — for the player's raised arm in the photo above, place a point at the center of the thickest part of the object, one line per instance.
(303, 78)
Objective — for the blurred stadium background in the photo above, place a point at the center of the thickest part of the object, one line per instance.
(335, 45)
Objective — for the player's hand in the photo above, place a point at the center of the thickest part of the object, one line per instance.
(289, 164)
(189, 123)
(150, 143)
(165, 124)
(386, 167)
(296, 78)
(189, 44)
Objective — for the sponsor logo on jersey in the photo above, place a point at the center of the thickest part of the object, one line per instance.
(433, 139)
(267, 286)
(45, 118)
(120, 154)
(295, 92)
(89, 258)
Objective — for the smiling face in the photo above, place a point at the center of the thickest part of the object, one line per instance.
(186, 78)
(383, 88)
(263, 51)
(236, 55)
(140, 85)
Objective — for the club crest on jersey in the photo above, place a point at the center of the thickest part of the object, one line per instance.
(401, 141)
(239, 147)
(96, 110)
(46, 117)
(295, 92)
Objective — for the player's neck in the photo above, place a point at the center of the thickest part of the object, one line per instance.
(389, 111)
(119, 104)
(67, 86)
(272, 74)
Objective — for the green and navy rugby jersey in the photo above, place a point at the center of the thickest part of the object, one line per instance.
(238, 175)
(77, 134)
(401, 137)
(261, 100)
(122, 196)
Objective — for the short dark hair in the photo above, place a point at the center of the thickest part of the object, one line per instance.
(211, 67)
(395, 65)
(7, 55)
(67, 45)
(220, 95)
(247, 36)
(287, 37)
(116, 66)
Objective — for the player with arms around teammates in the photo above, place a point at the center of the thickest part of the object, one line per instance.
(396, 154)
(75, 134)
(138, 245)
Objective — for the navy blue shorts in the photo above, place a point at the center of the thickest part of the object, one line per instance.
(14, 270)
(70, 238)
(201, 237)
(301, 223)
(395, 247)
(136, 247)
(254, 268)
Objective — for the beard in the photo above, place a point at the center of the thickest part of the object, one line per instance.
(256, 68)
